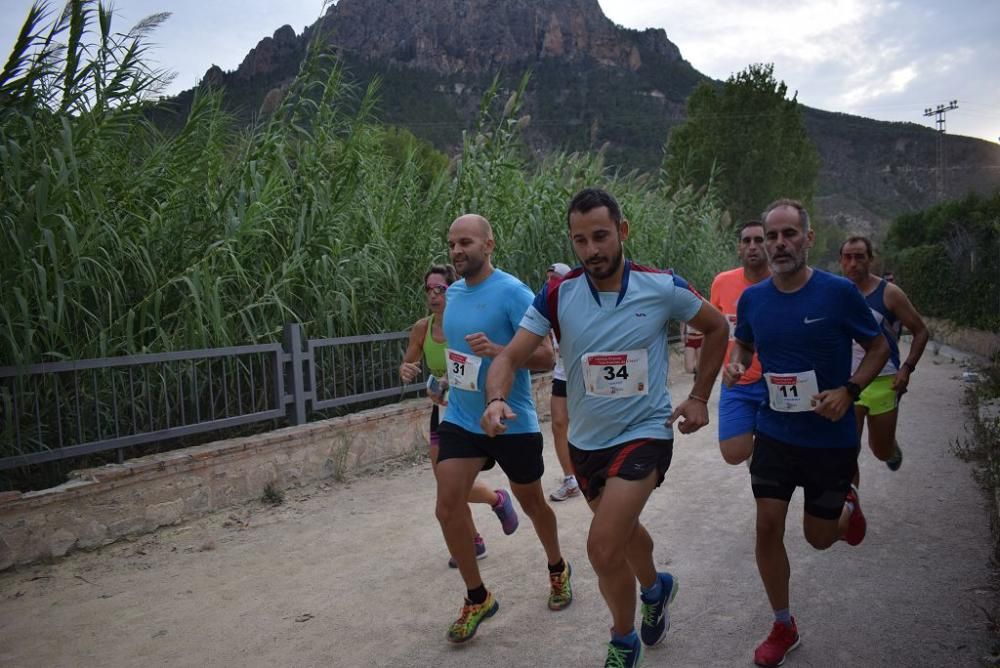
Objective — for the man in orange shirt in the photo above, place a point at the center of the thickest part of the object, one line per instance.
(738, 404)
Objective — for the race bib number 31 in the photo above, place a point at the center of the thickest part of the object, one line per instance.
(463, 370)
(791, 392)
(616, 374)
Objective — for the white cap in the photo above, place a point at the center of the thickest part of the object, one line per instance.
(560, 268)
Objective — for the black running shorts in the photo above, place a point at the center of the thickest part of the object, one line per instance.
(558, 388)
(632, 460)
(519, 455)
(824, 474)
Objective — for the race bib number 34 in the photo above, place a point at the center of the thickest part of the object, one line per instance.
(463, 370)
(791, 392)
(616, 374)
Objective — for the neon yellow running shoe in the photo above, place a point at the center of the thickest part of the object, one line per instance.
(561, 592)
(464, 628)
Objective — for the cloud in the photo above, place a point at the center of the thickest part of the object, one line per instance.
(885, 58)
(878, 84)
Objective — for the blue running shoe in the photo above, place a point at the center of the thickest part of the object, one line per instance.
(624, 656)
(655, 614)
(504, 509)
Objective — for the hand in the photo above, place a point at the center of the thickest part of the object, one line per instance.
(695, 414)
(494, 417)
(901, 381)
(732, 372)
(832, 404)
(482, 346)
(441, 396)
(408, 371)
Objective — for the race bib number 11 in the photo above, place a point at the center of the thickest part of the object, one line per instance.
(616, 374)
(791, 392)
(463, 370)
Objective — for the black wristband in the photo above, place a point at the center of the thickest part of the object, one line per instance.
(909, 366)
(496, 399)
(853, 389)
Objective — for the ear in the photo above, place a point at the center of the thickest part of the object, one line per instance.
(810, 238)
(623, 230)
(490, 245)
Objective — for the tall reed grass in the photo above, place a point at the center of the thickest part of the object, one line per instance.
(116, 238)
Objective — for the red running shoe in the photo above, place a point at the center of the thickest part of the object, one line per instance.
(856, 524)
(772, 652)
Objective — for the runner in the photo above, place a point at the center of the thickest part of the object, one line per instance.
(427, 341)
(692, 340)
(892, 309)
(802, 322)
(738, 404)
(480, 318)
(610, 317)
(560, 414)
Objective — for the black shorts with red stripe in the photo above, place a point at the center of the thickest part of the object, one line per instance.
(632, 460)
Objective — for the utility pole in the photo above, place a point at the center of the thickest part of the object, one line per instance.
(940, 112)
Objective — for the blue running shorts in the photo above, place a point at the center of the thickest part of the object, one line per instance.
(738, 408)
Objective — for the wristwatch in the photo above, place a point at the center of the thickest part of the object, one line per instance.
(853, 389)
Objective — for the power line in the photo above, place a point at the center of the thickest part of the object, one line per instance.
(940, 113)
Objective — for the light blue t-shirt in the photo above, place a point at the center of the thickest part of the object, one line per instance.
(494, 307)
(587, 321)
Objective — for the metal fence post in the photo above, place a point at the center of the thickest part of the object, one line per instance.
(295, 378)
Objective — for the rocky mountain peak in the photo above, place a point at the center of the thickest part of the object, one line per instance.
(451, 36)
(270, 53)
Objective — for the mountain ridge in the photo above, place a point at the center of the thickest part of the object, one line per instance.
(594, 84)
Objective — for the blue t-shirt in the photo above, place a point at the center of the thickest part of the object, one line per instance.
(588, 321)
(812, 328)
(493, 307)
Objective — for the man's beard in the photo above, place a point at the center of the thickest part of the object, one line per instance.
(613, 266)
(471, 267)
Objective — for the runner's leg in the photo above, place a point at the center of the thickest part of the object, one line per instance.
(620, 550)
(454, 481)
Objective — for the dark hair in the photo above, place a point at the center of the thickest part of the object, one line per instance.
(446, 270)
(749, 223)
(793, 203)
(857, 237)
(594, 198)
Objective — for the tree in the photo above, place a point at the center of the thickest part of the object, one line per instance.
(747, 138)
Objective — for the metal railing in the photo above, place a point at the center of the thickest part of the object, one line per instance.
(61, 410)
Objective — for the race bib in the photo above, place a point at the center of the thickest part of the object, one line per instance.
(616, 374)
(731, 319)
(791, 392)
(463, 370)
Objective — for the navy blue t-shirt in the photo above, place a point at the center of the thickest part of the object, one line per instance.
(810, 329)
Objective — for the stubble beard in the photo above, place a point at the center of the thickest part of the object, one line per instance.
(613, 266)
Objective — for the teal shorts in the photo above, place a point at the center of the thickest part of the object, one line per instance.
(879, 397)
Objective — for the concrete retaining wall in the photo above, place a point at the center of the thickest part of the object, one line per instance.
(981, 342)
(101, 505)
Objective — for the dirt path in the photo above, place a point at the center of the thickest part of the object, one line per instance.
(355, 575)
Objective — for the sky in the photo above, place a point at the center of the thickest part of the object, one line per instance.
(884, 59)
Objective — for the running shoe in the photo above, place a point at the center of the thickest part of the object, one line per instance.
(896, 460)
(567, 489)
(856, 524)
(655, 614)
(480, 551)
(504, 509)
(623, 656)
(472, 616)
(782, 640)
(561, 592)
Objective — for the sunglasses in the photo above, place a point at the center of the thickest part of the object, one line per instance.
(436, 289)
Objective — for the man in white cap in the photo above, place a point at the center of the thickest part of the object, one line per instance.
(560, 413)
